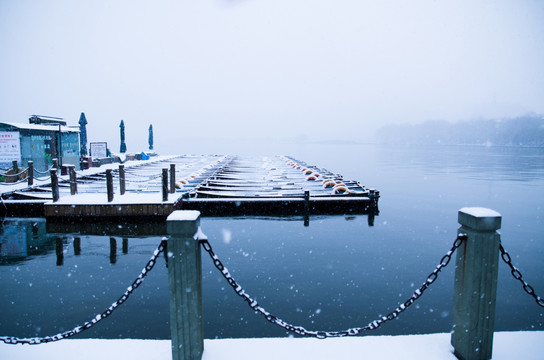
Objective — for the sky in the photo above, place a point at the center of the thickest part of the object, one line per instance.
(240, 70)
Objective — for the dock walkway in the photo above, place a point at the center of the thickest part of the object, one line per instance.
(216, 185)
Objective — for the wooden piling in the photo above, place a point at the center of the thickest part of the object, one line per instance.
(122, 184)
(73, 180)
(475, 286)
(54, 185)
(185, 283)
(30, 173)
(307, 208)
(172, 178)
(164, 184)
(109, 185)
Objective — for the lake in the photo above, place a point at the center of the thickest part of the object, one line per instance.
(339, 272)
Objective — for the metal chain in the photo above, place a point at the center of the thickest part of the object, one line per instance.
(40, 340)
(15, 182)
(517, 275)
(16, 174)
(46, 172)
(253, 304)
(148, 179)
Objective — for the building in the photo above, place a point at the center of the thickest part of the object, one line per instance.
(44, 138)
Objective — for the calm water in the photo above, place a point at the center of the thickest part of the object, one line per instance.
(336, 273)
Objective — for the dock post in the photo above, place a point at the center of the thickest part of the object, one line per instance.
(307, 208)
(54, 185)
(475, 286)
(109, 185)
(185, 283)
(164, 184)
(172, 178)
(122, 184)
(55, 163)
(15, 167)
(73, 180)
(30, 173)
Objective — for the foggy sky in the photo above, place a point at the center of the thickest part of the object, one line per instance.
(271, 69)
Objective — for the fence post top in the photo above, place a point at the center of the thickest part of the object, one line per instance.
(183, 222)
(479, 218)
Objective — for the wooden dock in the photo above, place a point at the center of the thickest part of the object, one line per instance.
(215, 185)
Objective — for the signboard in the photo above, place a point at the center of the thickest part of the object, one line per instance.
(10, 146)
(99, 149)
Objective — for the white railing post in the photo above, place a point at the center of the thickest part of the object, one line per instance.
(475, 286)
(185, 283)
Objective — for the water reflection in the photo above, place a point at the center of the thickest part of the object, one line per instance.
(22, 238)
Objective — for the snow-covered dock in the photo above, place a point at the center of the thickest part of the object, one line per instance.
(213, 184)
(279, 185)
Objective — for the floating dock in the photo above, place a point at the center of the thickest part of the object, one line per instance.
(216, 185)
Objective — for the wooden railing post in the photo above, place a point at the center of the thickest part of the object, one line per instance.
(30, 173)
(185, 283)
(109, 185)
(54, 185)
(122, 183)
(73, 179)
(172, 178)
(164, 184)
(475, 286)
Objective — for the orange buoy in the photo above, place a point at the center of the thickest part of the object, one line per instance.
(340, 189)
(328, 183)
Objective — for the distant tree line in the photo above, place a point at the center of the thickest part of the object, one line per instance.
(527, 130)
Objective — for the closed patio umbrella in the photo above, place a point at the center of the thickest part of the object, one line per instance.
(83, 134)
(123, 145)
(150, 137)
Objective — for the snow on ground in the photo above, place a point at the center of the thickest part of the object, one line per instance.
(507, 345)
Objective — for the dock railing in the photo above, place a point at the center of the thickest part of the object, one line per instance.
(477, 245)
(475, 286)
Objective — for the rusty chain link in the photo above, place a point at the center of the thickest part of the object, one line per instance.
(41, 340)
(517, 275)
(253, 304)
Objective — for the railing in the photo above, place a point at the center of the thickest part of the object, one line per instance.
(477, 246)
(168, 180)
(16, 175)
(166, 188)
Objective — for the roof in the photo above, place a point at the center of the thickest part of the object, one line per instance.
(23, 126)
